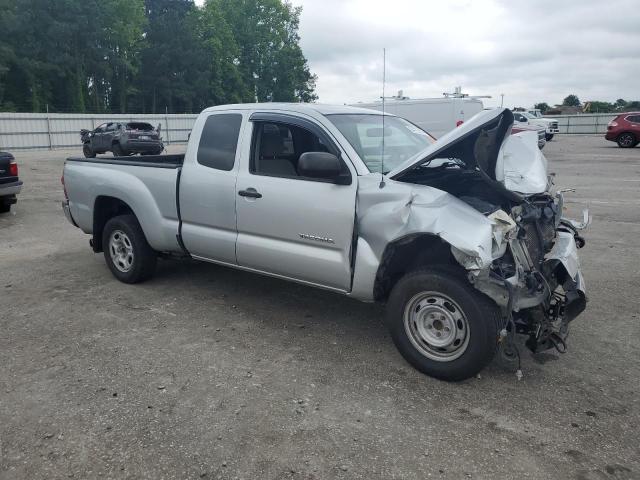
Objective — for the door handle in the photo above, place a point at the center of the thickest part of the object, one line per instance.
(250, 192)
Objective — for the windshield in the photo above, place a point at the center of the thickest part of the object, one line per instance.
(402, 139)
(529, 115)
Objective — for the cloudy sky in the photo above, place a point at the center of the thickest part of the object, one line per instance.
(530, 50)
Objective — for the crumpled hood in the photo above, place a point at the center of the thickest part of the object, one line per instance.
(510, 164)
(477, 141)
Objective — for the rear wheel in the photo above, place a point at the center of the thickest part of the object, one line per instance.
(88, 152)
(548, 136)
(5, 207)
(626, 140)
(441, 325)
(126, 250)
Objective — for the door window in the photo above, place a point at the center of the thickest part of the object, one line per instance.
(219, 141)
(101, 128)
(277, 147)
(111, 127)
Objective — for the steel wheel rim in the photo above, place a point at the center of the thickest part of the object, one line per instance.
(436, 326)
(121, 251)
(626, 139)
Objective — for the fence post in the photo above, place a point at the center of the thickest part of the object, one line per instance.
(166, 121)
(49, 128)
(568, 123)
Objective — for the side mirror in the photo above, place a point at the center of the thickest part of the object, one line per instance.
(319, 165)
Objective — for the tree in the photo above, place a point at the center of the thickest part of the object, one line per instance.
(620, 103)
(543, 107)
(600, 107)
(571, 101)
(148, 55)
(270, 60)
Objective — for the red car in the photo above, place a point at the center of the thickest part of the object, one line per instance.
(624, 130)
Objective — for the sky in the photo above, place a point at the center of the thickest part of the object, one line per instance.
(529, 50)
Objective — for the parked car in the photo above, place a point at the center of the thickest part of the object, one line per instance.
(540, 133)
(122, 139)
(10, 184)
(624, 130)
(549, 124)
(461, 238)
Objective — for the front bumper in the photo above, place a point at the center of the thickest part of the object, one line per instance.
(67, 213)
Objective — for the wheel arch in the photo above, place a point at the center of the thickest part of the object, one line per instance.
(409, 253)
(105, 208)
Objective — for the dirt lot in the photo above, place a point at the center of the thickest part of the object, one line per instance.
(206, 372)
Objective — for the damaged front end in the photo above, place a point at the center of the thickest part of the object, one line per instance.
(533, 272)
(537, 282)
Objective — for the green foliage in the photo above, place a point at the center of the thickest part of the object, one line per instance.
(571, 101)
(601, 107)
(543, 107)
(148, 55)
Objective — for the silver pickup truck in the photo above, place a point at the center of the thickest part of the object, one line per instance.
(461, 238)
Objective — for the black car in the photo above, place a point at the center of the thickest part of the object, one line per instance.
(10, 184)
(122, 139)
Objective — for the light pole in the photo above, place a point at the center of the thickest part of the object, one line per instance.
(501, 100)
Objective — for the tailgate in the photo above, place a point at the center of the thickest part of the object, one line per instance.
(5, 174)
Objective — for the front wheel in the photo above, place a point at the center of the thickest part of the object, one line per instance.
(441, 325)
(126, 250)
(88, 152)
(548, 136)
(626, 140)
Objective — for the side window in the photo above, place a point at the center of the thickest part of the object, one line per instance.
(111, 127)
(219, 140)
(101, 128)
(277, 147)
(634, 118)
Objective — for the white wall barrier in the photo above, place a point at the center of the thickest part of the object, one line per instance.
(19, 131)
(62, 130)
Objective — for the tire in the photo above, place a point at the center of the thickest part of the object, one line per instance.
(5, 207)
(455, 336)
(118, 151)
(548, 136)
(126, 250)
(88, 153)
(626, 140)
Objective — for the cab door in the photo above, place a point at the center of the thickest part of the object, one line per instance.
(288, 225)
(207, 186)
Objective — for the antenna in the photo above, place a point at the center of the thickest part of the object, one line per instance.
(384, 79)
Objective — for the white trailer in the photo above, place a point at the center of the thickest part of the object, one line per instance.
(435, 115)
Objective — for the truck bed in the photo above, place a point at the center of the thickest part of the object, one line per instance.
(153, 161)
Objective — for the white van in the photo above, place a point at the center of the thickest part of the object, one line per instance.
(435, 115)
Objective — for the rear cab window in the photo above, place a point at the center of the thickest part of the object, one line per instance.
(219, 141)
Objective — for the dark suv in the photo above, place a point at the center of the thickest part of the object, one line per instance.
(624, 130)
(122, 139)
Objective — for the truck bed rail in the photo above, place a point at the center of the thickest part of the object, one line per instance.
(153, 161)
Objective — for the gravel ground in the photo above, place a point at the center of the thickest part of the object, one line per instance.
(207, 372)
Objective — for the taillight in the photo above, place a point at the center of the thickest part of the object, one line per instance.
(613, 123)
(13, 169)
(64, 188)
(459, 122)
